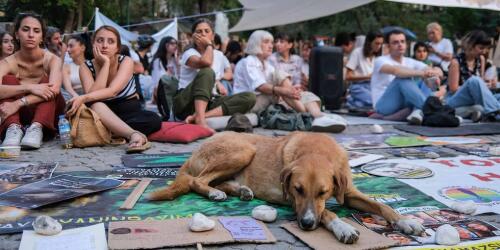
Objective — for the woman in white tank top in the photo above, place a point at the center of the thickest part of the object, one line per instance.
(71, 78)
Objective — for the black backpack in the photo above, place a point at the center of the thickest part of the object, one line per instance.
(167, 88)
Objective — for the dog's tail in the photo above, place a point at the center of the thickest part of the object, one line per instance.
(180, 186)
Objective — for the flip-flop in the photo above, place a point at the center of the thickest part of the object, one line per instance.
(141, 148)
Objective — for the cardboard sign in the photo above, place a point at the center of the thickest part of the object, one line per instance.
(171, 233)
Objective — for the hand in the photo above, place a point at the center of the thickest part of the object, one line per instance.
(75, 104)
(99, 57)
(9, 108)
(62, 47)
(201, 41)
(429, 73)
(42, 90)
(291, 92)
(431, 49)
(222, 90)
(441, 92)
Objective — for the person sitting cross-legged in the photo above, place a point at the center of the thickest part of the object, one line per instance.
(397, 81)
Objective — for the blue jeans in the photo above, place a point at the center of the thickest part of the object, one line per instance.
(360, 95)
(403, 93)
(474, 91)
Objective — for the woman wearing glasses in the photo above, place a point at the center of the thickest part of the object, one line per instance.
(30, 81)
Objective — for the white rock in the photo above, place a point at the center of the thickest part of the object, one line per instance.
(432, 155)
(465, 207)
(200, 223)
(46, 225)
(447, 235)
(376, 129)
(265, 213)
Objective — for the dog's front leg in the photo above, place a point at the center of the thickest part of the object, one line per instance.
(343, 231)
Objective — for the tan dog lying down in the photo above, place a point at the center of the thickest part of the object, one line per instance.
(304, 169)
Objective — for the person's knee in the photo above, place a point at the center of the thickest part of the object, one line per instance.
(206, 72)
(474, 81)
(248, 99)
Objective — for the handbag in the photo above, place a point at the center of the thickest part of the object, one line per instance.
(277, 116)
(87, 129)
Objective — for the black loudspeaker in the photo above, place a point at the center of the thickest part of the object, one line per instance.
(326, 75)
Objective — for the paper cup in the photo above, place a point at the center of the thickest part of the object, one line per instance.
(10, 151)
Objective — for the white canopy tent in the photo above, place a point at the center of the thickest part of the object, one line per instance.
(264, 13)
(128, 36)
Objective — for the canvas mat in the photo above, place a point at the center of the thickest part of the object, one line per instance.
(466, 129)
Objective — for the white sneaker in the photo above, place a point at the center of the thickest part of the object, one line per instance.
(33, 137)
(329, 124)
(13, 135)
(416, 117)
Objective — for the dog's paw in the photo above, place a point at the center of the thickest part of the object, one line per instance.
(343, 231)
(246, 194)
(217, 195)
(410, 226)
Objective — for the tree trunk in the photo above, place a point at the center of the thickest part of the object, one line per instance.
(203, 5)
(68, 26)
(80, 14)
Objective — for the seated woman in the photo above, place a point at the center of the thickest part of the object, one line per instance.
(200, 64)
(165, 60)
(421, 53)
(79, 51)
(33, 99)
(360, 68)
(466, 87)
(7, 47)
(255, 74)
(110, 91)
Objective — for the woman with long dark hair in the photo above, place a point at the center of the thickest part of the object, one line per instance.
(7, 47)
(79, 49)
(165, 60)
(360, 68)
(30, 81)
(466, 87)
(110, 91)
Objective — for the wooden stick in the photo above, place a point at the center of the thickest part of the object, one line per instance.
(198, 246)
(134, 196)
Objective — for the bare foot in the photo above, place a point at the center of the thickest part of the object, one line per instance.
(136, 140)
(202, 122)
(190, 119)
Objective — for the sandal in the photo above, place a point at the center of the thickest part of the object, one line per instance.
(138, 149)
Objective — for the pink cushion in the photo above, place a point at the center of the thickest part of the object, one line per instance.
(179, 132)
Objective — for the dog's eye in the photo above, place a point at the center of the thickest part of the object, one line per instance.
(321, 193)
(299, 190)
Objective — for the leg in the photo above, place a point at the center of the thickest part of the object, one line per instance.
(185, 102)
(219, 166)
(312, 103)
(116, 125)
(297, 105)
(474, 91)
(179, 187)
(229, 105)
(343, 231)
(233, 188)
(399, 94)
(361, 202)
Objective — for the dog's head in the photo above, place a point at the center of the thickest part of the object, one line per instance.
(313, 178)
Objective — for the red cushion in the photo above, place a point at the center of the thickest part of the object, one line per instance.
(179, 132)
(10, 80)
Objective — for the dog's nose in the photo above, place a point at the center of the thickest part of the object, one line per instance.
(307, 224)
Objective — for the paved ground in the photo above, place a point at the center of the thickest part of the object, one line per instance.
(93, 159)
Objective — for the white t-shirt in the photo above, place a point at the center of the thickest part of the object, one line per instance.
(358, 63)
(157, 70)
(250, 73)
(380, 81)
(443, 46)
(188, 74)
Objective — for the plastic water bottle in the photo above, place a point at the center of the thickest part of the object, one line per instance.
(65, 132)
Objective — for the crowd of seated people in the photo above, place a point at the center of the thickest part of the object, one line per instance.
(43, 74)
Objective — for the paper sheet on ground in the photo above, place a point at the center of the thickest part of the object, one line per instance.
(485, 244)
(460, 179)
(83, 238)
(359, 158)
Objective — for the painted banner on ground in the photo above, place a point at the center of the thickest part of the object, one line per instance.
(103, 207)
(459, 179)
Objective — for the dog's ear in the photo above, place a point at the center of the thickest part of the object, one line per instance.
(285, 176)
(340, 183)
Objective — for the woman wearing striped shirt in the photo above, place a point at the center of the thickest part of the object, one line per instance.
(109, 88)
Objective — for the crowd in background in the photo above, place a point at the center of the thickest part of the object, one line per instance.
(217, 77)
